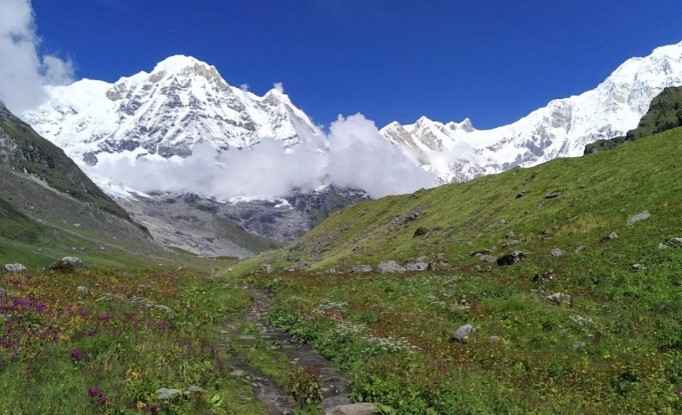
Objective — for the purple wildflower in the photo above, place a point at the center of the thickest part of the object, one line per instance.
(76, 355)
(98, 395)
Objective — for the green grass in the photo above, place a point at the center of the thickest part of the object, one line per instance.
(57, 344)
(617, 348)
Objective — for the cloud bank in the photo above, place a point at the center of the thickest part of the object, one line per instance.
(24, 72)
(355, 156)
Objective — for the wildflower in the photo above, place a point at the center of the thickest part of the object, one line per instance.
(98, 396)
(76, 355)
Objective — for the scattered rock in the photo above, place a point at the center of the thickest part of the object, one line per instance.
(543, 277)
(580, 249)
(166, 394)
(195, 390)
(482, 252)
(511, 259)
(463, 333)
(519, 195)
(14, 268)
(407, 218)
(354, 409)
(560, 299)
(361, 269)
(488, 258)
(638, 217)
(552, 195)
(417, 266)
(238, 373)
(556, 252)
(266, 268)
(83, 291)
(420, 231)
(163, 308)
(638, 267)
(610, 237)
(390, 267)
(671, 243)
(67, 264)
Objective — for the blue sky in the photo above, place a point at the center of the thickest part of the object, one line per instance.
(490, 60)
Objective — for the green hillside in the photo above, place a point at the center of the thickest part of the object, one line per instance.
(589, 320)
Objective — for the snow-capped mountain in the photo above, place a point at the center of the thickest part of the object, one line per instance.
(459, 152)
(181, 103)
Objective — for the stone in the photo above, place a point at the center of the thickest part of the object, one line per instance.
(362, 269)
(14, 268)
(82, 291)
(195, 390)
(463, 333)
(67, 264)
(638, 217)
(167, 394)
(580, 249)
(511, 259)
(266, 268)
(488, 258)
(238, 373)
(673, 243)
(482, 252)
(556, 252)
(417, 266)
(390, 267)
(164, 308)
(560, 299)
(354, 409)
(610, 237)
(552, 195)
(638, 267)
(420, 231)
(543, 277)
(407, 218)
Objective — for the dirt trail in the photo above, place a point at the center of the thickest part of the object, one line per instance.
(335, 387)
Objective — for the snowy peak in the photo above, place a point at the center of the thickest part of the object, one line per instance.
(181, 103)
(458, 151)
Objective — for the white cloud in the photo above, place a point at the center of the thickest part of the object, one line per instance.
(361, 158)
(23, 71)
(354, 155)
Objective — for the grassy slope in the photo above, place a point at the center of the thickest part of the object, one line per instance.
(617, 348)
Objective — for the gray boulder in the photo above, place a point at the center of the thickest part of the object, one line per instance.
(672, 243)
(67, 264)
(610, 237)
(362, 269)
(354, 409)
(417, 266)
(390, 267)
(638, 217)
(488, 258)
(463, 333)
(166, 394)
(557, 252)
(511, 259)
(14, 268)
(560, 299)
